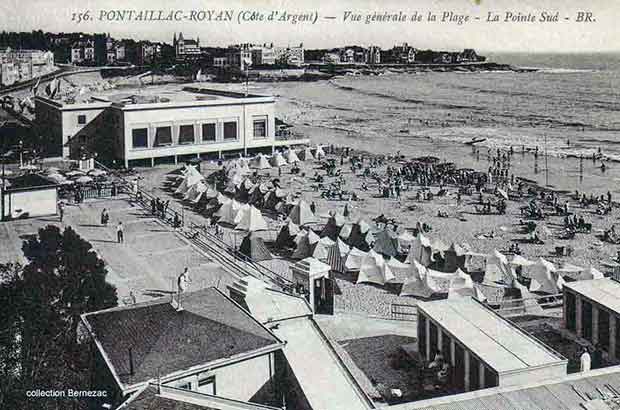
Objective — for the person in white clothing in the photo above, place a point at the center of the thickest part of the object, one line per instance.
(585, 360)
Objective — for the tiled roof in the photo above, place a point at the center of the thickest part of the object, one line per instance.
(163, 340)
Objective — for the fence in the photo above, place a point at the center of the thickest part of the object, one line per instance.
(399, 311)
(207, 241)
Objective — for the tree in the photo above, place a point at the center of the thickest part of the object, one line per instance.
(63, 279)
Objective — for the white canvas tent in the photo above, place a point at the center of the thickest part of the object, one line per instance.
(405, 240)
(301, 214)
(421, 250)
(306, 154)
(497, 269)
(228, 212)
(354, 259)
(251, 221)
(319, 153)
(260, 162)
(374, 269)
(291, 156)
(245, 208)
(461, 286)
(544, 277)
(277, 160)
(192, 177)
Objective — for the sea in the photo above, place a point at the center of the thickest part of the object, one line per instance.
(568, 110)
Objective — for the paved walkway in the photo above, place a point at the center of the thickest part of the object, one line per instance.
(321, 376)
(149, 261)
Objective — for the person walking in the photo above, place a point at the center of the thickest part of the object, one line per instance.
(104, 217)
(183, 281)
(585, 360)
(61, 211)
(120, 233)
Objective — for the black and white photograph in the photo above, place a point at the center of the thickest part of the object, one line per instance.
(309, 205)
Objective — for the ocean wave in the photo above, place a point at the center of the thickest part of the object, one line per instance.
(548, 70)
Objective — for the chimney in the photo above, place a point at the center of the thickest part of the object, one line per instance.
(130, 361)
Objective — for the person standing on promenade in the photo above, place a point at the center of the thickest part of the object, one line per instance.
(120, 233)
(61, 211)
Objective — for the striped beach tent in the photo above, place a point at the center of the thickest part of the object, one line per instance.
(337, 255)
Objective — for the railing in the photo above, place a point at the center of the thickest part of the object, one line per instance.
(207, 241)
(519, 305)
(400, 311)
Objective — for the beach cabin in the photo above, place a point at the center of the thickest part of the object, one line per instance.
(312, 279)
(592, 312)
(482, 348)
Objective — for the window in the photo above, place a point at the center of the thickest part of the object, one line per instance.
(206, 385)
(586, 320)
(163, 136)
(230, 130)
(260, 128)
(186, 134)
(81, 119)
(139, 137)
(603, 329)
(474, 373)
(422, 335)
(208, 132)
(571, 310)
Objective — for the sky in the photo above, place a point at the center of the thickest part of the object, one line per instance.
(565, 36)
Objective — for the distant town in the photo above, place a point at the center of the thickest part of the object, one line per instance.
(24, 56)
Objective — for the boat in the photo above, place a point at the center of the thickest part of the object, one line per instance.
(475, 140)
(404, 131)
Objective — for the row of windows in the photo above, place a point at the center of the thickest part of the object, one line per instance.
(163, 135)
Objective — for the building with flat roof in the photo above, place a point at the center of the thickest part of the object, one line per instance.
(28, 196)
(592, 312)
(147, 126)
(205, 343)
(484, 349)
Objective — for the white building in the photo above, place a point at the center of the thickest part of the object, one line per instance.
(148, 128)
(23, 65)
(83, 51)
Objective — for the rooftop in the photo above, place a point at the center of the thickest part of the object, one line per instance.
(209, 329)
(603, 291)
(568, 393)
(494, 340)
(26, 181)
(170, 398)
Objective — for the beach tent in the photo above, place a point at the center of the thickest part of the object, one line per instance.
(386, 243)
(243, 191)
(592, 273)
(319, 153)
(418, 284)
(345, 231)
(291, 156)
(519, 260)
(243, 209)
(569, 270)
(544, 278)
(497, 269)
(277, 160)
(530, 304)
(286, 236)
(455, 257)
(354, 259)
(306, 154)
(260, 162)
(461, 286)
(192, 177)
(337, 255)
(421, 250)
(273, 197)
(405, 240)
(306, 241)
(360, 236)
(251, 221)
(320, 250)
(194, 190)
(228, 212)
(399, 269)
(253, 247)
(333, 226)
(374, 270)
(257, 194)
(301, 214)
